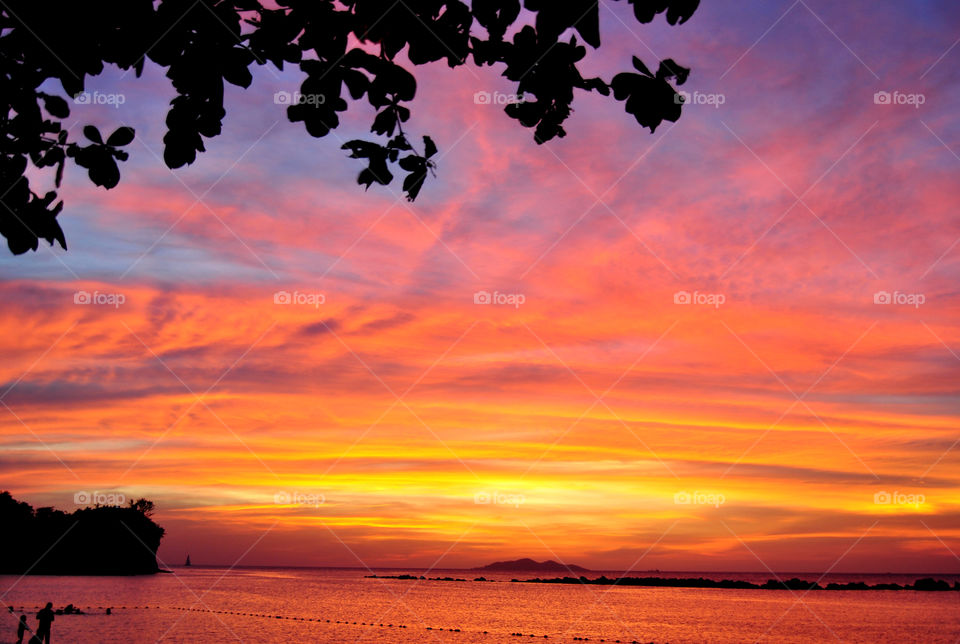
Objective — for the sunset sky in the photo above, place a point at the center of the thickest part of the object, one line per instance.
(399, 423)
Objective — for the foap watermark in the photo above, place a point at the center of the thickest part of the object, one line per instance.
(299, 498)
(899, 98)
(296, 98)
(699, 98)
(301, 299)
(99, 98)
(898, 498)
(498, 98)
(702, 299)
(699, 498)
(498, 498)
(900, 299)
(99, 299)
(508, 299)
(99, 498)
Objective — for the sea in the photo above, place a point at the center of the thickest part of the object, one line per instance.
(246, 604)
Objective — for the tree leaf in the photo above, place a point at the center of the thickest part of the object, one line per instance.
(92, 133)
(640, 67)
(105, 172)
(56, 106)
(121, 136)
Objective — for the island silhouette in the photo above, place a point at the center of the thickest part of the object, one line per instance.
(100, 540)
(529, 565)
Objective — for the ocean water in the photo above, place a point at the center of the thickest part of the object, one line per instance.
(293, 605)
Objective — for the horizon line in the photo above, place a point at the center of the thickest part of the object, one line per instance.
(600, 570)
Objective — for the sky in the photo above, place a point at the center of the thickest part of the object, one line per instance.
(731, 344)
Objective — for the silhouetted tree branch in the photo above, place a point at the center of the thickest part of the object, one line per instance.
(204, 44)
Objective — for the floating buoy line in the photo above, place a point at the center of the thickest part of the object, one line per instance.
(108, 610)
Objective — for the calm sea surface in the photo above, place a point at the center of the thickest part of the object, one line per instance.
(155, 609)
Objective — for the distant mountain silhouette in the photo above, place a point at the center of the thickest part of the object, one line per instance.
(103, 540)
(531, 565)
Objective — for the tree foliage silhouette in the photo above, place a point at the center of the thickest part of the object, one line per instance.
(346, 48)
(99, 540)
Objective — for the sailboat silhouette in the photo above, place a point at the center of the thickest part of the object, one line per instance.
(188, 561)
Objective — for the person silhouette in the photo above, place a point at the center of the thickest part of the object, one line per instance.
(21, 628)
(44, 620)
